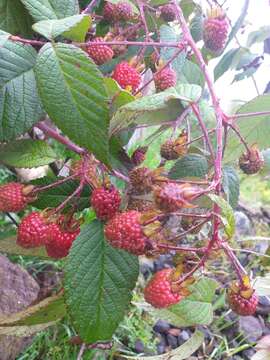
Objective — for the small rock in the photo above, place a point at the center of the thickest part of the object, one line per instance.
(185, 335)
(172, 341)
(139, 346)
(248, 353)
(251, 327)
(161, 327)
(174, 331)
(243, 226)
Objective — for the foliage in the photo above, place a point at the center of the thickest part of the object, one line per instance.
(61, 98)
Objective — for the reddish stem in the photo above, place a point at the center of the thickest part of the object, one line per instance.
(182, 248)
(237, 132)
(47, 129)
(251, 114)
(178, 237)
(39, 189)
(27, 41)
(196, 111)
(240, 271)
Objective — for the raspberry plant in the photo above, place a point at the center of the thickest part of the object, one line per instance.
(93, 77)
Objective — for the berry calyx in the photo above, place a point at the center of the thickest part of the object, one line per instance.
(15, 196)
(215, 30)
(124, 231)
(252, 161)
(139, 155)
(242, 300)
(173, 149)
(127, 76)
(141, 179)
(100, 54)
(105, 202)
(61, 235)
(141, 205)
(165, 79)
(167, 12)
(171, 197)
(33, 230)
(158, 292)
(123, 11)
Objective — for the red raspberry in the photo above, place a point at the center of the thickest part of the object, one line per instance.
(123, 11)
(109, 12)
(124, 231)
(242, 306)
(127, 75)
(32, 231)
(158, 291)
(99, 53)
(13, 197)
(105, 202)
(60, 239)
(165, 79)
(168, 12)
(215, 30)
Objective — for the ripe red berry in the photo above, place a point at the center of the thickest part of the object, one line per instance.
(13, 197)
(215, 30)
(124, 231)
(158, 292)
(127, 76)
(32, 231)
(165, 79)
(123, 11)
(241, 305)
(168, 12)
(100, 53)
(105, 202)
(109, 12)
(60, 239)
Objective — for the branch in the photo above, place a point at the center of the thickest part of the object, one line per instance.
(47, 129)
(90, 7)
(196, 111)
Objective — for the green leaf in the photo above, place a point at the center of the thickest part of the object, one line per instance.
(189, 166)
(14, 18)
(73, 27)
(51, 9)
(190, 73)
(196, 309)
(49, 309)
(225, 63)
(155, 109)
(258, 36)
(237, 26)
(227, 215)
(188, 7)
(231, 185)
(254, 129)
(182, 352)
(27, 153)
(167, 34)
(19, 102)
(98, 284)
(8, 245)
(118, 96)
(196, 26)
(73, 94)
(55, 196)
